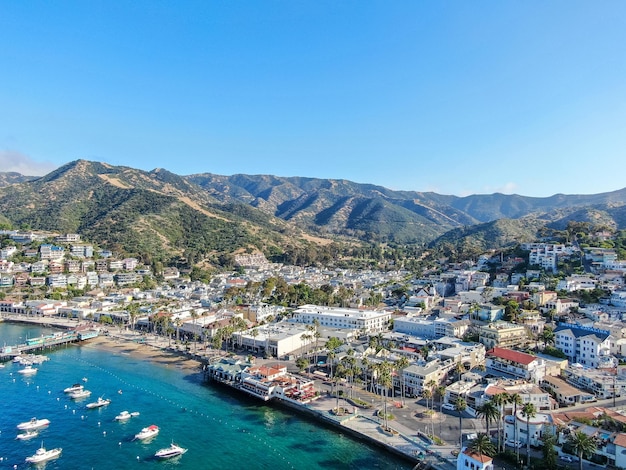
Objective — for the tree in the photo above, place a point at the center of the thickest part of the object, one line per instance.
(549, 454)
(489, 412)
(515, 399)
(400, 365)
(460, 405)
(582, 445)
(302, 363)
(500, 400)
(385, 382)
(482, 445)
(547, 336)
(528, 411)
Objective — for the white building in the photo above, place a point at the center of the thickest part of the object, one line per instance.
(369, 321)
(516, 364)
(587, 346)
(468, 460)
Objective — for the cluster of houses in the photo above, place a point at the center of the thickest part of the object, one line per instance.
(450, 329)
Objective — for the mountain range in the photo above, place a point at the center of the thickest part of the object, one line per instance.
(204, 217)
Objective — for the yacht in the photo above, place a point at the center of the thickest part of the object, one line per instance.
(100, 402)
(34, 423)
(148, 432)
(28, 370)
(80, 394)
(27, 435)
(74, 388)
(172, 451)
(123, 416)
(43, 455)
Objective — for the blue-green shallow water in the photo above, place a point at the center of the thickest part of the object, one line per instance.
(220, 430)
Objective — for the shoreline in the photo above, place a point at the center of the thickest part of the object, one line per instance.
(159, 351)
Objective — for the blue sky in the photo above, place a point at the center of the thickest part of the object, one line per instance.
(456, 97)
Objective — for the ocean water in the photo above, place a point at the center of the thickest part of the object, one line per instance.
(219, 427)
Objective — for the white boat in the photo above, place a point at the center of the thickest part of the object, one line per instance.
(28, 370)
(42, 455)
(148, 432)
(134, 413)
(172, 451)
(27, 435)
(73, 388)
(123, 416)
(100, 402)
(80, 394)
(34, 423)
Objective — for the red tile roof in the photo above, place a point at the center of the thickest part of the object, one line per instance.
(510, 355)
(481, 458)
(620, 440)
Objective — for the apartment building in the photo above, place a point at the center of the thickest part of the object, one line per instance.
(590, 347)
(370, 321)
(502, 334)
(516, 364)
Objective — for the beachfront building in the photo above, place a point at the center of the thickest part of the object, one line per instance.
(367, 321)
(565, 394)
(468, 460)
(276, 339)
(415, 377)
(590, 347)
(502, 334)
(515, 364)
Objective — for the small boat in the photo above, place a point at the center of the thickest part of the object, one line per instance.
(134, 413)
(100, 402)
(43, 455)
(80, 394)
(148, 432)
(34, 423)
(74, 388)
(168, 452)
(123, 416)
(28, 370)
(27, 435)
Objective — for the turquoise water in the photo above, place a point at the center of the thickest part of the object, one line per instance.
(221, 428)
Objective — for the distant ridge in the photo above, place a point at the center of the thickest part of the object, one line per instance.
(204, 217)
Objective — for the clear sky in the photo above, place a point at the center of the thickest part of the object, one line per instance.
(457, 97)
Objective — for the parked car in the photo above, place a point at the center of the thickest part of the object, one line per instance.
(448, 406)
(566, 458)
(512, 443)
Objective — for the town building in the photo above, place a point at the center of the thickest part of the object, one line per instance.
(583, 345)
(515, 364)
(502, 334)
(367, 321)
(468, 460)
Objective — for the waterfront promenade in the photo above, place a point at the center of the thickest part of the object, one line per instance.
(360, 423)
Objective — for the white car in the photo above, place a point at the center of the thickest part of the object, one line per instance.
(566, 458)
(448, 406)
(512, 443)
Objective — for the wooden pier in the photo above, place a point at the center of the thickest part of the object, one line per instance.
(41, 344)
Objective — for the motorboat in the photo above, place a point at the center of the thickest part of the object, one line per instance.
(80, 394)
(43, 455)
(34, 423)
(168, 452)
(74, 388)
(98, 403)
(28, 370)
(123, 416)
(147, 432)
(27, 435)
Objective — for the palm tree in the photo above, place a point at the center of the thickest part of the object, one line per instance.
(515, 399)
(400, 365)
(482, 445)
(460, 405)
(582, 444)
(500, 399)
(440, 391)
(528, 411)
(489, 412)
(384, 380)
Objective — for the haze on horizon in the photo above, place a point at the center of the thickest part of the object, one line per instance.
(456, 98)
